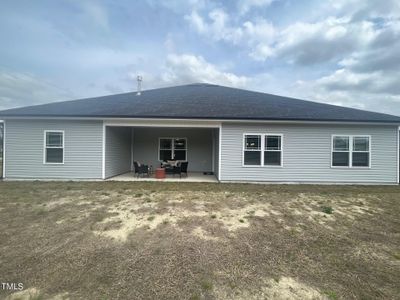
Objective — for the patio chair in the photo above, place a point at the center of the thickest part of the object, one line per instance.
(136, 166)
(170, 167)
(184, 167)
(141, 169)
(180, 168)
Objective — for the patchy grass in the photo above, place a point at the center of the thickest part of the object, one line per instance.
(327, 209)
(206, 285)
(331, 295)
(143, 240)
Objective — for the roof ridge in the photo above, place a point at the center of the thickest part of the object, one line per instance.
(201, 100)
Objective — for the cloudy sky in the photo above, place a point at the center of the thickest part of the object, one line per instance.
(335, 51)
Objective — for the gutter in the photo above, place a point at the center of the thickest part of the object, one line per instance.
(218, 119)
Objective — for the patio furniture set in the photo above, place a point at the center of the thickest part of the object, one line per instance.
(166, 168)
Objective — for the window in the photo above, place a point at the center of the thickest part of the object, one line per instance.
(272, 153)
(172, 149)
(252, 150)
(165, 149)
(262, 150)
(341, 151)
(179, 149)
(350, 151)
(360, 154)
(54, 147)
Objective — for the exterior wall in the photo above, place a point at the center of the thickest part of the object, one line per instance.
(1, 147)
(118, 151)
(199, 146)
(216, 151)
(24, 149)
(307, 154)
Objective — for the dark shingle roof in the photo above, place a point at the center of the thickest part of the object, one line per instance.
(200, 101)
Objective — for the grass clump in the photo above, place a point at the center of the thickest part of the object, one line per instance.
(331, 295)
(327, 210)
(206, 285)
(396, 255)
(195, 297)
(151, 218)
(41, 211)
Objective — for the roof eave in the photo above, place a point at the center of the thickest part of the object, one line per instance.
(226, 119)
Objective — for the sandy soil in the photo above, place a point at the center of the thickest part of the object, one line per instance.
(118, 240)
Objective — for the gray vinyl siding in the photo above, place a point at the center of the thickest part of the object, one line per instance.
(25, 149)
(307, 154)
(216, 151)
(118, 151)
(199, 146)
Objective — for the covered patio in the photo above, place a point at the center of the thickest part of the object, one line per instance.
(192, 177)
(154, 146)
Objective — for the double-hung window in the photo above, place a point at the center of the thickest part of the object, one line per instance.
(252, 150)
(54, 147)
(360, 153)
(262, 150)
(273, 150)
(350, 151)
(172, 149)
(341, 151)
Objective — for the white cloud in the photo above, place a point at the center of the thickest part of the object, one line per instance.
(327, 40)
(219, 27)
(311, 43)
(300, 42)
(96, 13)
(245, 5)
(372, 82)
(180, 6)
(189, 68)
(186, 69)
(362, 9)
(364, 91)
(21, 89)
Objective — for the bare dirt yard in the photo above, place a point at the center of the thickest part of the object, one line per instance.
(137, 240)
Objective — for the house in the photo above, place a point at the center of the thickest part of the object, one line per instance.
(239, 135)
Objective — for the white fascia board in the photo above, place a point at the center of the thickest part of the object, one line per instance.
(202, 121)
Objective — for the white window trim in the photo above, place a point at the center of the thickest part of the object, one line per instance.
(351, 138)
(45, 147)
(172, 146)
(262, 150)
